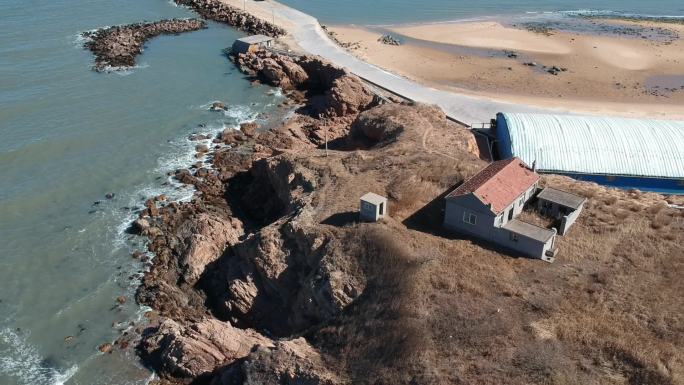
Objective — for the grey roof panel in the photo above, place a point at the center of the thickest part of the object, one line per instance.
(528, 230)
(561, 197)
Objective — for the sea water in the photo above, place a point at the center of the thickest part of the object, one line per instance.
(69, 135)
(378, 12)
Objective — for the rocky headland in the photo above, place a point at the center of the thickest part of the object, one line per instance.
(118, 46)
(268, 277)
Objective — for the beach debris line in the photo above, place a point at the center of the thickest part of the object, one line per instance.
(116, 47)
(389, 40)
(333, 37)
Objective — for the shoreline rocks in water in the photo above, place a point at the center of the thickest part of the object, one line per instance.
(218, 11)
(118, 46)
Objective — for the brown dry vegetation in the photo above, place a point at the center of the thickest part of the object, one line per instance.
(441, 309)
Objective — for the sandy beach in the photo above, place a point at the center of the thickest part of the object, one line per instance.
(596, 73)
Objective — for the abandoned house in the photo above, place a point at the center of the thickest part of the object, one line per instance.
(251, 43)
(486, 206)
(373, 207)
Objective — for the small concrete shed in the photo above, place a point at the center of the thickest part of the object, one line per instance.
(560, 205)
(373, 207)
(251, 43)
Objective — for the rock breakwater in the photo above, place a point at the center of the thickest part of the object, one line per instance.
(223, 13)
(118, 46)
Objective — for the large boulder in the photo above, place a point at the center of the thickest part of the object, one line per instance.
(198, 349)
(386, 122)
(286, 362)
(298, 77)
(274, 74)
(205, 238)
(347, 96)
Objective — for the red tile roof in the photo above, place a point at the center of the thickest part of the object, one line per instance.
(499, 184)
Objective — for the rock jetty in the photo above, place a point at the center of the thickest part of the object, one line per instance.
(223, 13)
(118, 46)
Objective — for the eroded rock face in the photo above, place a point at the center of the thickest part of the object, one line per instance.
(347, 96)
(386, 122)
(200, 348)
(285, 278)
(119, 45)
(206, 238)
(287, 362)
(342, 93)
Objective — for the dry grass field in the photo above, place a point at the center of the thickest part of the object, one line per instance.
(441, 308)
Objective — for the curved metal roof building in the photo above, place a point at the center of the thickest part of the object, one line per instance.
(569, 144)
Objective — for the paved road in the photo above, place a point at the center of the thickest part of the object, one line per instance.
(313, 39)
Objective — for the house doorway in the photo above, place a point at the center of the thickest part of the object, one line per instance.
(510, 214)
(382, 208)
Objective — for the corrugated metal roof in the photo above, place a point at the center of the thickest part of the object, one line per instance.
(595, 145)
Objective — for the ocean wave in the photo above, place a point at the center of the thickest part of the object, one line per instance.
(21, 360)
(181, 156)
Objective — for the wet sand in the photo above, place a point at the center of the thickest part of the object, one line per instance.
(596, 73)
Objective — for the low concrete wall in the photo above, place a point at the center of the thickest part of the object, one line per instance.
(568, 220)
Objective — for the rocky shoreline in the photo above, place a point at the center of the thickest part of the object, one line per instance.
(118, 46)
(219, 284)
(223, 13)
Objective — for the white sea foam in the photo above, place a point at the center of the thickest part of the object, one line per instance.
(21, 360)
(182, 156)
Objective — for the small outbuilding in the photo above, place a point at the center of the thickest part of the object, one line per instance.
(560, 205)
(373, 207)
(251, 43)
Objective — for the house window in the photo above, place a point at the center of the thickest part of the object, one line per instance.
(514, 237)
(499, 219)
(470, 218)
(510, 214)
(522, 201)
